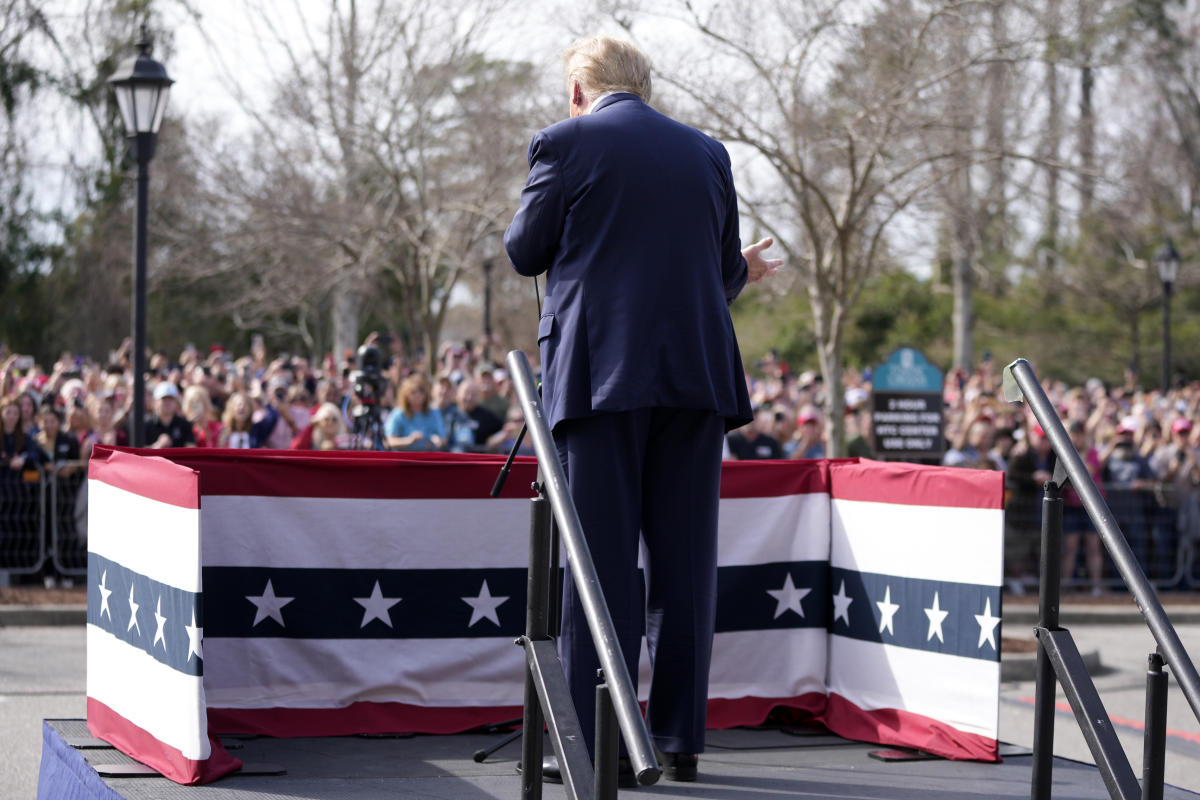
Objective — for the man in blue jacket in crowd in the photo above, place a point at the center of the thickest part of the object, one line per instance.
(634, 218)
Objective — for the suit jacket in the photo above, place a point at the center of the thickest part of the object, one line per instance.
(634, 217)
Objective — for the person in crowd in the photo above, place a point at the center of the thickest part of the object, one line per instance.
(860, 445)
(290, 418)
(1077, 525)
(106, 432)
(28, 405)
(1003, 442)
(1177, 466)
(470, 425)
(1029, 468)
(489, 394)
(1128, 480)
(754, 441)
(329, 429)
(56, 444)
(414, 424)
(198, 409)
(811, 433)
(166, 427)
(19, 477)
(240, 431)
(78, 422)
(503, 440)
(971, 447)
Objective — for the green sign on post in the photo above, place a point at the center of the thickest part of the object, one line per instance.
(907, 420)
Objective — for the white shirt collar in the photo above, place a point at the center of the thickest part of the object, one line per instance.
(596, 102)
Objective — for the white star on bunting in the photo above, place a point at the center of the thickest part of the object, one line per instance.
(483, 606)
(887, 611)
(788, 598)
(104, 593)
(133, 609)
(841, 605)
(160, 620)
(377, 607)
(987, 625)
(936, 617)
(195, 635)
(268, 605)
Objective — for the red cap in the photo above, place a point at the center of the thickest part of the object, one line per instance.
(1181, 425)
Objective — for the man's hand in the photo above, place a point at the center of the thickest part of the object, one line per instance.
(758, 266)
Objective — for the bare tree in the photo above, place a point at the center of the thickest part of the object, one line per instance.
(831, 105)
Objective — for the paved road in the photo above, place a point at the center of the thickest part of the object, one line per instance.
(1122, 686)
(42, 675)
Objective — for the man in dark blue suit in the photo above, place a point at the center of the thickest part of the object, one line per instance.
(634, 218)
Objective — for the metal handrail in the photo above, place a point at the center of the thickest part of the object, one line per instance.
(608, 648)
(1020, 383)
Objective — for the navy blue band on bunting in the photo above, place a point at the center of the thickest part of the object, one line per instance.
(960, 619)
(937, 616)
(153, 617)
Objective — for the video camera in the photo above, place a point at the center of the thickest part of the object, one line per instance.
(368, 381)
(368, 384)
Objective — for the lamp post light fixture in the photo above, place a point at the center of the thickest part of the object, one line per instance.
(141, 86)
(1167, 261)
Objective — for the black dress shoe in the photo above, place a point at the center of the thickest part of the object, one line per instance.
(679, 766)
(625, 777)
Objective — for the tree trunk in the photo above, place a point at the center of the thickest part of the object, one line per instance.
(1087, 142)
(346, 307)
(1052, 144)
(963, 318)
(1087, 120)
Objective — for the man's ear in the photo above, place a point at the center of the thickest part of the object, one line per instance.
(577, 94)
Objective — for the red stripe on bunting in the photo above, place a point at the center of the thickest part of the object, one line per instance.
(367, 717)
(138, 743)
(915, 485)
(899, 728)
(428, 476)
(151, 477)
(360, 717)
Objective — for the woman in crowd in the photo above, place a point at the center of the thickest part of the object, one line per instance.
(329, 429)
(198, 409)
(240, 431)
(413, 423)
(28, 406)
(104, 411)
(56, 444)
(19, 478)
(1076, 523)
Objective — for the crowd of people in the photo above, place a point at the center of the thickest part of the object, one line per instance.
(463, 402)
(1142, 446)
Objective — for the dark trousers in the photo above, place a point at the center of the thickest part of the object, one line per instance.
(654, 472)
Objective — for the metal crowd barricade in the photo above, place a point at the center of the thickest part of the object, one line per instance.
(67, 505)
(22, 520)
(1164, 541)
(1058, 659)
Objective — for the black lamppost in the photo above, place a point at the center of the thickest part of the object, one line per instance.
(1167, 260)
(141, 86)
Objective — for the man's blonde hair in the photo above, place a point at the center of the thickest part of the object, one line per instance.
(601, 64)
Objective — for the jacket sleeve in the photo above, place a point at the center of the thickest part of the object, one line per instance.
(734, 272)
(532, 239)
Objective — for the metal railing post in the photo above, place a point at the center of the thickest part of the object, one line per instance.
(1154, 752)
(587, 583)
(607, 745)
(1048, 602)
(536, 624)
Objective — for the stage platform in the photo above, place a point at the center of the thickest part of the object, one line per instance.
(741, 763)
